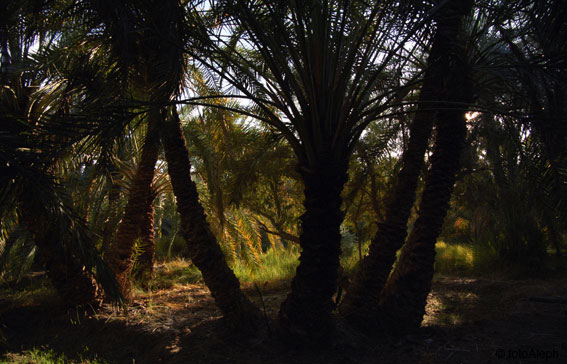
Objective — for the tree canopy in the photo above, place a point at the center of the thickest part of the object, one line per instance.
(224, 130)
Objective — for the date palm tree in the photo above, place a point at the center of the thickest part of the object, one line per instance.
(319, 72)
(397, 300)
(32, 103)
(147, 39)
(119, 253)
(364, 292)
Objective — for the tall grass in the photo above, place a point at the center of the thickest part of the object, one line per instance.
(276, 265)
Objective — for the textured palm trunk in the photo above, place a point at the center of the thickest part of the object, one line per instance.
(204, 250)
(119, 254)
(363, 296)
(145, 261)
(305, 315)
(73, 283)
(403, 299)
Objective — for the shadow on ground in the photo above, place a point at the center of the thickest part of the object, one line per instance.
(468, 321)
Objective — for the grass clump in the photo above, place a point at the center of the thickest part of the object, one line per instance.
(454, 258)
(45, 355)
(276, 265)
(176, 271)
(28, 291)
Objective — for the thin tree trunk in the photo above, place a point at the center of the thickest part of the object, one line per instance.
(364, 292)
(305, 315)
(145, 261)
(119, 255)
(204, 250)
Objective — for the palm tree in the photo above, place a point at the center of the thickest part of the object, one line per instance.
(144, 263)
(318, 72)
(403, 298)
(249, 176)
(401, 301)
(154, 31)
(523, 141)
(364, 292)
(31, 183)
(119, 254)
(204, 250)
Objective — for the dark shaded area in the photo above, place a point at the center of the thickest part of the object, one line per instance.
(468, 321)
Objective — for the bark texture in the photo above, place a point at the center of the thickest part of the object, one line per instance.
(403, 299)
(204, 250)
(119, 255)
(145, 261)
(73, 283)
(363, 296)
(305, 315)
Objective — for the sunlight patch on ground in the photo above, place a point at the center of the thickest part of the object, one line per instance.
(446, 304)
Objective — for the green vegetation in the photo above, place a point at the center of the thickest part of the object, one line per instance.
(29, 291)
(172, 272)
(276, 265)
(46, 355)
(247, 143)
(455, 258)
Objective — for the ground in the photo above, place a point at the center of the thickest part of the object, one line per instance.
(468, 320)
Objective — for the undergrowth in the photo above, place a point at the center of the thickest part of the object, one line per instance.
(45, 355)
(176, 271)
(277, 265)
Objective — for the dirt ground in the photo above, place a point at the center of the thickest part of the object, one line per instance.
(476, 320)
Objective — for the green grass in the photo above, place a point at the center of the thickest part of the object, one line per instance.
(280, 265)
(45, 355)
(176, 271)
(27, 293)
(277, 265)
(482, 260)
(454, 258)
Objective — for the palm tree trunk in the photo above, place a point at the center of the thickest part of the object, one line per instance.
(119, 255)
(305, 315)
(73, 284)
(403, 299)
(402, 303)
(145, 261)
(363, 295)
(204, 250)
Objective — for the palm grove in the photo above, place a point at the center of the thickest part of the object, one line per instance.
(281, 123)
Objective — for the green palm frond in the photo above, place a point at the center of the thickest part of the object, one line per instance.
(320, 74)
